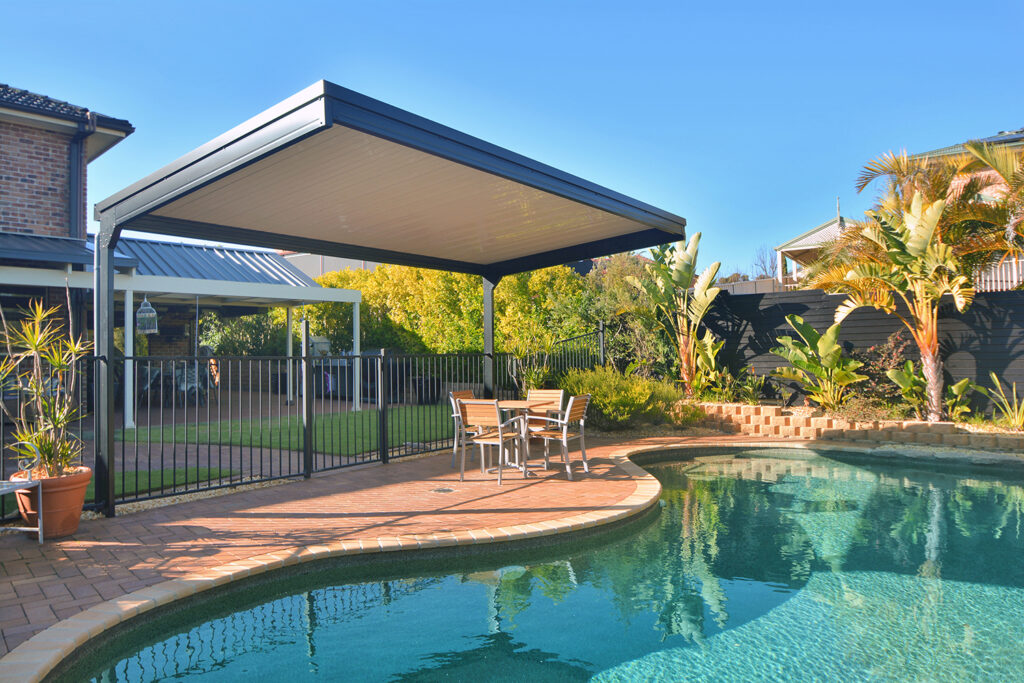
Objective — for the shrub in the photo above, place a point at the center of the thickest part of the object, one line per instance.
(622, 400)
(1008, 405)
(877, 361)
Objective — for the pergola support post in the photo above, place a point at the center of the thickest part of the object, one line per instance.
(289, 351)
(129, 363)
(490, 282)
(357, 364)
(307, 403)
(104, 347)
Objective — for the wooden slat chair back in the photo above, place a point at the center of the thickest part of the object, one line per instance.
(564, 429)
(554, 399)
(493, 432)
(454, 397)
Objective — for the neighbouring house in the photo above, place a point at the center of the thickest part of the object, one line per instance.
(803, 250)
(45, 147)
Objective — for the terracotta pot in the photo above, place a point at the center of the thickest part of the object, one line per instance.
(63, 498)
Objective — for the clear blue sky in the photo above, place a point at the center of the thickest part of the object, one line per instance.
(748, 119)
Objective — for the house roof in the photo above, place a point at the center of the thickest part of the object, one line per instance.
(1011, 138)
(330, 171)
(165, 259)
(32, 109)
(25, 247)
(816, 236)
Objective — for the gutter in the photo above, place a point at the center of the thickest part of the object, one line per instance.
(76, 177)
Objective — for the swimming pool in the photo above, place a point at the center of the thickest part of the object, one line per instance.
(765, 564)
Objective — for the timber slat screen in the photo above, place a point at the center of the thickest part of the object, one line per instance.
(199, 423)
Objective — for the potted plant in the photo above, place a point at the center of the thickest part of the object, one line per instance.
(42, 365)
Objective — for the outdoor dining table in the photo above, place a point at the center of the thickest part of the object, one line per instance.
(520, 406)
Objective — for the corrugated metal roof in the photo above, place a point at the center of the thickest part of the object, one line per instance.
(172, 259)
(168, 259)
(815, 237)
(1010, 138)
(15, 246)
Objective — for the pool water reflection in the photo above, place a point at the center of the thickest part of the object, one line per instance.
(769, 564)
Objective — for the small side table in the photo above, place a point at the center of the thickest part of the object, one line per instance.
(11, 487)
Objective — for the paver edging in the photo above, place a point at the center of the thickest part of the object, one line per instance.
(35, 658)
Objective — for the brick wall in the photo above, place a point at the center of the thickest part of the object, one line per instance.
(34, 181)
(774, 422)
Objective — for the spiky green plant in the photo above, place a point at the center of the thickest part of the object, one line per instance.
(1008, 405)
(42, 364)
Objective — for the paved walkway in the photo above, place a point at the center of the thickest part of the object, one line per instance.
(153, 554)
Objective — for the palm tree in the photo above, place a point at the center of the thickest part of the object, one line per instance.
(1004, 171)
(681, 297)
(903, 256)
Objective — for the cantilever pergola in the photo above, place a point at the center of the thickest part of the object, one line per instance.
(333, 172)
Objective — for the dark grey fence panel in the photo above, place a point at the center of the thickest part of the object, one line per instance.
(988, 337)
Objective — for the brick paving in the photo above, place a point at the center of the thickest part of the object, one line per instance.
(108, 558)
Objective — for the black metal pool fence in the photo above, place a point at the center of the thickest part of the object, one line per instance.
(197, 423)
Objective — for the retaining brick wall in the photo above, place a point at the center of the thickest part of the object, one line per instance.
(775, 421)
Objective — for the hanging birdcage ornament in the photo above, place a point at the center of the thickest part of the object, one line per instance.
(145, 318)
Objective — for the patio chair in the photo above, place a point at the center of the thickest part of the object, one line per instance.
(564, 429)
(493, 432)
(553, 408)
(454, 397)
(150, 385)
(187, 384)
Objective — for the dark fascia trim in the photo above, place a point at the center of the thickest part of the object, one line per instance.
(494, 271)
(259, 132)
(359, 112)
(595, 249)
(226, 233)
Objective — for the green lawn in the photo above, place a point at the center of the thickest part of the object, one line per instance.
(348, 433)
(132, 484)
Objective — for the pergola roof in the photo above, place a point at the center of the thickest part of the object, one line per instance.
(333, 172)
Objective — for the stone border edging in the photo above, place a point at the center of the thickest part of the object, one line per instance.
(34, 659)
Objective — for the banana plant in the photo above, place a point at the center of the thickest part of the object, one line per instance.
(913, 386)
(957, 401)
(818, 363)
(682, 298)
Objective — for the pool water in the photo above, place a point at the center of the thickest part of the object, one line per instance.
(763, 565)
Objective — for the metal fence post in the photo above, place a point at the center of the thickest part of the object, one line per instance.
(600, 343)
(307, 404)
(382, 405)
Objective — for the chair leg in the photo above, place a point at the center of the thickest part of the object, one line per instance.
(583, 452)
(462, 467)
(547, 452)
(501, 464)
(565, 459)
